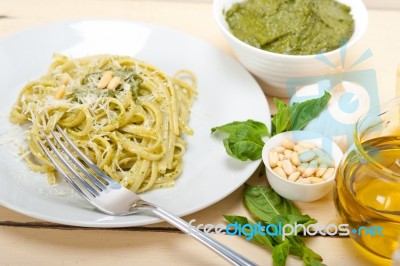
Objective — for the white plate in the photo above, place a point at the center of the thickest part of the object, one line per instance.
(226, 93)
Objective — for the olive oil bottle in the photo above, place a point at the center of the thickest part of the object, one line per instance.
(367, 194)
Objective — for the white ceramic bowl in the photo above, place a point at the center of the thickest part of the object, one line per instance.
(298, 191)
(274, 70)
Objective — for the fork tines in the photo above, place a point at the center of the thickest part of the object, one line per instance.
(57, 151)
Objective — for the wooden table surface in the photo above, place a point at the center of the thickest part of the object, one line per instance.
(28, 241)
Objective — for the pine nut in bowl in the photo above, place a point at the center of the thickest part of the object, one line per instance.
(301, 165)
(278, 65)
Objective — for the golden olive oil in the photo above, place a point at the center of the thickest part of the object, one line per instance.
(368, 195)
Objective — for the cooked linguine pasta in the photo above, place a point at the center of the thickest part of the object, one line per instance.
(126, 115)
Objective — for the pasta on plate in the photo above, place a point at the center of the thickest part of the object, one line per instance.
(126, 115)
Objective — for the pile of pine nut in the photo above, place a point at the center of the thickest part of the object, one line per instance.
(107, 81)
(301, 162)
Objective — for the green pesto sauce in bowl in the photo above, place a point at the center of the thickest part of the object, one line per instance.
(294, 27)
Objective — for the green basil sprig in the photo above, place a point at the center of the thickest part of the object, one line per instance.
(269, 208)
(297, 115)
(244, 141)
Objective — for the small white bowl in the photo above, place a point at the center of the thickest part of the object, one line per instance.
(275, 70)
(298, 191)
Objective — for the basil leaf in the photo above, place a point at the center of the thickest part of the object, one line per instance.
(297, 115)
(255, 126)
(298, 248)
(313, 262)
(302, 113)
(257, 238)
(264, 203)
(310, 258)
(236, 218)
(244, 145)
(280, 121)
(270, 208)
(280, 253)
(244, 141)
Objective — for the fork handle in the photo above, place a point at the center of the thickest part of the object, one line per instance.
(228, 254)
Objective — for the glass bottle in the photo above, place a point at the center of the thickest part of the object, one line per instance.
(367, 194)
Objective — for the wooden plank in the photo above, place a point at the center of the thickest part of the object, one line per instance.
(22, 246)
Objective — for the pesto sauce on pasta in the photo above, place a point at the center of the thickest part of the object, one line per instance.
(132, 128)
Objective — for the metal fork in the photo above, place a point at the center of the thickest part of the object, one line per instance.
(111, 198)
